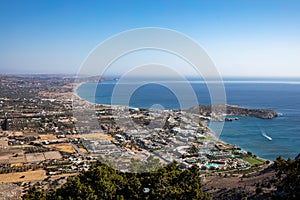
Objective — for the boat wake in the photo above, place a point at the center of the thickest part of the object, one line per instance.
(266, 136)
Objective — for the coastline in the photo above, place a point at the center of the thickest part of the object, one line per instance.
(75, 88)
(215, 138)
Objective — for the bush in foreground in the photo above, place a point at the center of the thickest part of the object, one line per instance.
(103, 182)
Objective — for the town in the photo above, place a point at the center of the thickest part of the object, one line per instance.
(42, 143)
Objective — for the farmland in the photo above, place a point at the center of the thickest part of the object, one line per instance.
(23, 176)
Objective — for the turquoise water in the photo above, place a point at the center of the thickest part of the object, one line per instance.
(284, 97)
(213, 164)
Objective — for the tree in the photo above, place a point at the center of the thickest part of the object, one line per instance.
(288, 174)
(76, 190)
(34, 194)
(104, 182)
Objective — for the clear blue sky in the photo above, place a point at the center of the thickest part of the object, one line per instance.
(244, 38)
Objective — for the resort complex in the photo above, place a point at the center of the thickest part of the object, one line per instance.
(43, 142)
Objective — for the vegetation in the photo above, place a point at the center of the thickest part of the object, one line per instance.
(253, 161)
(169, 182)
(288, 175)
(104, 182)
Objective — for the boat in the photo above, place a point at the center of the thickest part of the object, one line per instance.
(266, 136)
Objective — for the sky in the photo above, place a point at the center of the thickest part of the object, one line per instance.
(243, 37)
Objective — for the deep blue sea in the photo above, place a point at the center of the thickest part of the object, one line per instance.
(281, 96)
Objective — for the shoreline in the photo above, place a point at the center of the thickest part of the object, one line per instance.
(75, 88)
(217, 139)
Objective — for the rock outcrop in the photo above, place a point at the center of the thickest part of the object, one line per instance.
(232, 110)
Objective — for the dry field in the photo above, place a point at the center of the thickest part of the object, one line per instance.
(37, 157)
(83, 150)
(19, 159)
(17, 165)
(48, 137)
(51, 155)
(3, 143)
(66, 147)
(53, 177)
(34, 157)
(15, 133)
(93, 136)
(28, 176)
(55, 95)
(9, 156)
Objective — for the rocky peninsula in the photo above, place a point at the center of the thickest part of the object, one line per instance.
(233, 110)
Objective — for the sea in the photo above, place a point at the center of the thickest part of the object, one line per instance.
(266, 138)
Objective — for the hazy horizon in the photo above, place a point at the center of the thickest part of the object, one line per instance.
(237, 78)
(243, 38)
